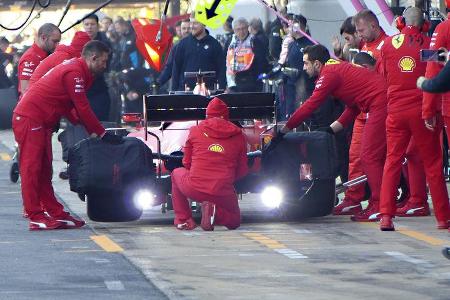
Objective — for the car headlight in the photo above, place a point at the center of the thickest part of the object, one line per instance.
(272, 196)
(144, 199)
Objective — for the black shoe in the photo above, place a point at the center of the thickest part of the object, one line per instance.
(64, 175)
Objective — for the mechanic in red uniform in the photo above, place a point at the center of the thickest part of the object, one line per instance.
(362, 90)
(215, 156)
(401, 65)
(373, 36)
(432, 107)
(61, 92)
(351, 204)
(48, 38)
(62, 53)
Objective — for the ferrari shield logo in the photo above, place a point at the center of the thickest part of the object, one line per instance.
(215, 148)
(213, 13)
(397, 41)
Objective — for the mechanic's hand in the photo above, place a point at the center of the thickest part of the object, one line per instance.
(420, 82)
(325, 129)
(57, 127)
(112, 138)
(336, 44)
(430, 123)
(275, 141)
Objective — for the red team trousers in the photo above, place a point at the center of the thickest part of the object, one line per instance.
(400, 127)
(373, 151)
(227, 207)
(357, 192)
(35, 163)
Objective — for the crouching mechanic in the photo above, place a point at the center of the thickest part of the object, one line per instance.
(215, 156)
(362, 90)
(61, 92)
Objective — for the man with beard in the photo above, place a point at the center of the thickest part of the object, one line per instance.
(198, 51)
(48, 38)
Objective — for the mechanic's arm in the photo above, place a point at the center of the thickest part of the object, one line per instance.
(242, 166)
(187, 153)
(77, 94)
(349, 115)
(73, 117)
(438, 84)
(325, 86)
(24, 86)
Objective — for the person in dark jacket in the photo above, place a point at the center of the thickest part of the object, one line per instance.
(98, 94)
(299, 85)
(198, 51)
(166, 73)
(5, 59)
(215, 156)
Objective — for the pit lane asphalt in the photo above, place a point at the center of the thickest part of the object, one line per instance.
(322, 258)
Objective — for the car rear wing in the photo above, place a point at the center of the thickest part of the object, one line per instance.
(158, 108)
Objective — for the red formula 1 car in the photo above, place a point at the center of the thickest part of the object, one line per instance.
(296, 178)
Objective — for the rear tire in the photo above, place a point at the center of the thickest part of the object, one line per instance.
(318, 202)
(109, 207)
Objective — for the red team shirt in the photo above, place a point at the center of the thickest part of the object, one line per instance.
(359, 88)
(29, 62)
(61, 54)
(61, 92)
(215, 142)
(401, 69)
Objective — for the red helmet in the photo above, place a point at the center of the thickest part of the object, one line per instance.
(447, 3)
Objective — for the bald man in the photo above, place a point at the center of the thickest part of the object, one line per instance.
(48, 38)
(401, 66)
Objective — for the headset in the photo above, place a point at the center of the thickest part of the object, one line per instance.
(400, 22)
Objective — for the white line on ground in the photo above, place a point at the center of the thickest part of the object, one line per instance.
(407, 258)
(290, 253)
(114, 285)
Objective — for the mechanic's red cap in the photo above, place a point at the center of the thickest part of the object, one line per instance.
(79, 40)
(217, 108)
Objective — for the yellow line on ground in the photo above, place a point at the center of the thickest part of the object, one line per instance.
(423, 237)
(106, 243)
(275, 246)
(5, 156)
(264, 240)
(414, 234)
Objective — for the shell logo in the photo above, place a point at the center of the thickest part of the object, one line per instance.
(332, 62)
(407, 64)
(216, 148)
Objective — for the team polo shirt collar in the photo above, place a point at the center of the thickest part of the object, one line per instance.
(39, 52)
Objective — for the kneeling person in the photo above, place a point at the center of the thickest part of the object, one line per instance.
(215, 156)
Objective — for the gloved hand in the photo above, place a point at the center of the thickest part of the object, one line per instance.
(274, 141)
(325, 129)
(420, 82)
(112, 138)
(57, 127)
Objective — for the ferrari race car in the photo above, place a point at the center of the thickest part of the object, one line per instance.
(296, 178)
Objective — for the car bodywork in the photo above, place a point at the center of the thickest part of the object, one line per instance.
(300, 169)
